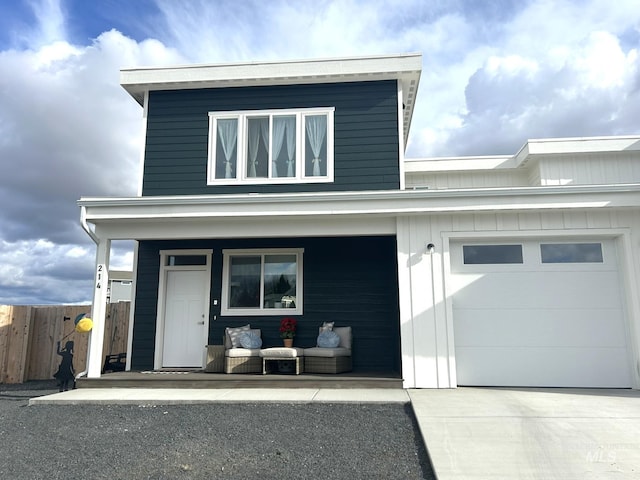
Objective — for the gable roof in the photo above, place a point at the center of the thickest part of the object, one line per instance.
(403, 67)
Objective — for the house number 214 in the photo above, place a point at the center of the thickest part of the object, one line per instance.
(100, 276)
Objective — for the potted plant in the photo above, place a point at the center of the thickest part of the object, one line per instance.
(288, 330)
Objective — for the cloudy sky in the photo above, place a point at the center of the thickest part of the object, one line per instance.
(495, 73)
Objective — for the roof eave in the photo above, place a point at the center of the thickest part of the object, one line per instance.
(361, 203)
(405, 68)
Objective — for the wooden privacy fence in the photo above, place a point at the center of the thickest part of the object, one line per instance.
(29, 337)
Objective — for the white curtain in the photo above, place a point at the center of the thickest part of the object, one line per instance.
(228, 133)
(279, 127)
(316, 130)
(258, 131)
(291, 145)
(282, 126)
(254, 138)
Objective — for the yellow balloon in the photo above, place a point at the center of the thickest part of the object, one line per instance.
(84, 325)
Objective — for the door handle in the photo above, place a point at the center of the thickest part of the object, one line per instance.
(201, 323)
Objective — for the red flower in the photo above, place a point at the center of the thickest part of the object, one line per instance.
(288, 327)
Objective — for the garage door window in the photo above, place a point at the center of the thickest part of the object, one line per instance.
(571, 252)
(491, 254)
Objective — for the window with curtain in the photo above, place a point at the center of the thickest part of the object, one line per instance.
(315, 145)
(275, 146)
(262, 282)
(226, 131)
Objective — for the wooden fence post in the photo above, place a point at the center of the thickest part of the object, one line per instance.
(5, 325)
(17, 342)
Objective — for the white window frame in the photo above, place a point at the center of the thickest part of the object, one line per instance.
(261, 310)
(242, 117)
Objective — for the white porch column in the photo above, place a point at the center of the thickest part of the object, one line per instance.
(98, 311)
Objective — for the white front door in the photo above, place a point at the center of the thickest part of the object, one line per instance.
(185, 332)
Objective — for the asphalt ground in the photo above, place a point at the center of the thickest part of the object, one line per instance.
(214, 441)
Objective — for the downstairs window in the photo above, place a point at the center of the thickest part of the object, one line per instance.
(262, 282)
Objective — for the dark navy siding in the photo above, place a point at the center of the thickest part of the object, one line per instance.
(351, 281)
(366, 135)
(146, 310)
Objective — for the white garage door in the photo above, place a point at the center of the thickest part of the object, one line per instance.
(539, 313)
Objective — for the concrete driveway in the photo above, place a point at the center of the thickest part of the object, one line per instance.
(506, 433)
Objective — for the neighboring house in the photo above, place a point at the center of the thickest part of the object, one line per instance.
(120, 282)
(281, 189)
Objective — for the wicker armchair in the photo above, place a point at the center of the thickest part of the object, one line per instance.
(330, 360)
(241, 360)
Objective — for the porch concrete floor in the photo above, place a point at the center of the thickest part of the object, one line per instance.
(202, 380)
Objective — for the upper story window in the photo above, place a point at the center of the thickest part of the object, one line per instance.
(271, 146)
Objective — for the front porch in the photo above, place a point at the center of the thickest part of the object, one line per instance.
(199, 379)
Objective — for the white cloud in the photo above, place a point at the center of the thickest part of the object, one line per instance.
(43, 270)
(67, 129)
(602, 63)
(555, 69)
(512, 98)
(50, 23)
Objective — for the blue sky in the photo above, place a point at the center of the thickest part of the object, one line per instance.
(495, 73)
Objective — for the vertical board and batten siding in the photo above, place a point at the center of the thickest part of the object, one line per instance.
(485, 179)
(351, 281)
(590, 169)
(423, 274)
(567, 169)
(366, 153)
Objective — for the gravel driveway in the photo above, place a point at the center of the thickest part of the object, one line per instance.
(244, 441)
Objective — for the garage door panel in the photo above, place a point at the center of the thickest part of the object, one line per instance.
(542, 367)
(535, 289)
(539, 327)
(535, 324)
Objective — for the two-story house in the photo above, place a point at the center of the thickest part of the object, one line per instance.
(281, 189)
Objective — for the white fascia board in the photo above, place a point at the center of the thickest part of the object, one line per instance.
(531, 150)
(554, 146)
(270, 73)
(534, 148)
(385, 203)
(406, 68)
(453, 164)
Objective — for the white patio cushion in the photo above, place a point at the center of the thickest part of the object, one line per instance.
(327, 352)
(231, 339)
(281, 352)
(242, 352)
(345, 336)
